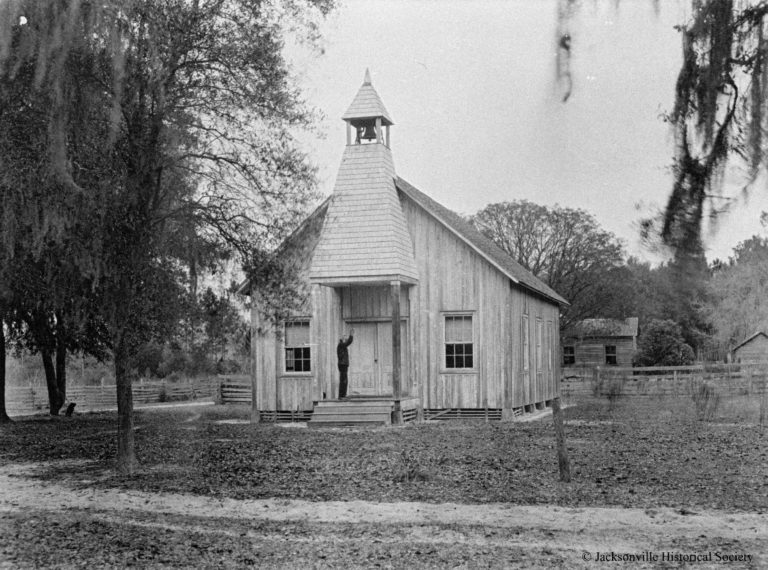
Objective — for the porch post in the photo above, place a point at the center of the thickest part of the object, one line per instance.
(397, 414)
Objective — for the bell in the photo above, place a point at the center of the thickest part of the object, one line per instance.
(366, 132)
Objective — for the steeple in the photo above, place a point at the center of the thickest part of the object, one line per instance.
(367, 118)
(365, 238)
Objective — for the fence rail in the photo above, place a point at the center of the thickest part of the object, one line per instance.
(235, 390)
(20, 400)
(725, 379)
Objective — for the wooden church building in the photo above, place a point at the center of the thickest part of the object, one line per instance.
(445, 323)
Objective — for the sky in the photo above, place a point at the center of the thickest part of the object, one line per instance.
(470, 85)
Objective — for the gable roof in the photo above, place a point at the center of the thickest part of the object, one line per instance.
(460, 227)
(750, 339)
(477, 241)
(604, 328)
(367, 104)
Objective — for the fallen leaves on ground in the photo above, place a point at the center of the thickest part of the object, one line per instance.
(638, 453)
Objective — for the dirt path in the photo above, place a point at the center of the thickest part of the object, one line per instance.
(541, 534)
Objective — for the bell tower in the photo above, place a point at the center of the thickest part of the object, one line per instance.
(367, 119)
(365, 239)
(365, 242)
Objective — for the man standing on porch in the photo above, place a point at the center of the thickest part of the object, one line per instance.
(343, 355)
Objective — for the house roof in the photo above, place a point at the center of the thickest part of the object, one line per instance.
(481, 244)
(750, 339)
(604, 328)
(367, 104)
(465, 231)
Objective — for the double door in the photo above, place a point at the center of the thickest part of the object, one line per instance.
(370, 358)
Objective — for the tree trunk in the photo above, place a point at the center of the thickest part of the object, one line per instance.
(562, 450)
(61, 359)
(3, 414)
(54, 399)
(126, 452)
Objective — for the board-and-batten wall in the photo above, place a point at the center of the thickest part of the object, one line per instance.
(453, 277)
(590, 352)
(756, 350)
(278, 390)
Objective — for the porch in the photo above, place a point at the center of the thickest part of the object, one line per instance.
(363, 411)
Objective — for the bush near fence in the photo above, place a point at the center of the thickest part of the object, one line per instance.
(34, 397)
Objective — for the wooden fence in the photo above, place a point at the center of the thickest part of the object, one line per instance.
(33, 398)
(725, 379)
(235, 390)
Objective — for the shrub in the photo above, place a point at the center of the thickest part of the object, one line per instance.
(662, 344)
(409, 469)
(614, 390)
(706, 401)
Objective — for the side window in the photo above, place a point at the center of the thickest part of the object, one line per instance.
(526, 344)
(569, 356)
(298, 356)
(539, 347)
(610, 355)
(550, 348)
(459, 342)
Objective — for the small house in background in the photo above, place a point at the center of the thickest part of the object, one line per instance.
(445, 323)
(752, 349)
(600, 342)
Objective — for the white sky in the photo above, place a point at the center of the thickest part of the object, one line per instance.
(470, 86)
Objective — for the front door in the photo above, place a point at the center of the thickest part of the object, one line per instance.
(370, 358)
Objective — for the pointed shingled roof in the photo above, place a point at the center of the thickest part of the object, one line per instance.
(367, 104)
(365, 238)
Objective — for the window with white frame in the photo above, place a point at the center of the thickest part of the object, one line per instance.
(298, 356)
(459, 342)
(610, 355)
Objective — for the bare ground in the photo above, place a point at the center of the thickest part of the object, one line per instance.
(148, 529)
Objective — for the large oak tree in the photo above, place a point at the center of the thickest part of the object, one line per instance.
(154, 116)
(564, 247)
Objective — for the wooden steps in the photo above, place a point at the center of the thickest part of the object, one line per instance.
(352, 412)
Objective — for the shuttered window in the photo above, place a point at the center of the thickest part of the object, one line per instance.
(459, 342)
(297, 349)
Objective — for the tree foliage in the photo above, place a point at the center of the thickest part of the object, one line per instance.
(738, 290)
(144, 121)
(661, 343)
(719, 117)
(564, 247)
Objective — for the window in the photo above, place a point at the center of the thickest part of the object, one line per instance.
(569, 356)
(297, 350)
(610, 355)
(459, 346)
(539, 347)
(550, 348)
(526, 345)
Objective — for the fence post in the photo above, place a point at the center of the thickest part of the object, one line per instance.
(562, 451)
